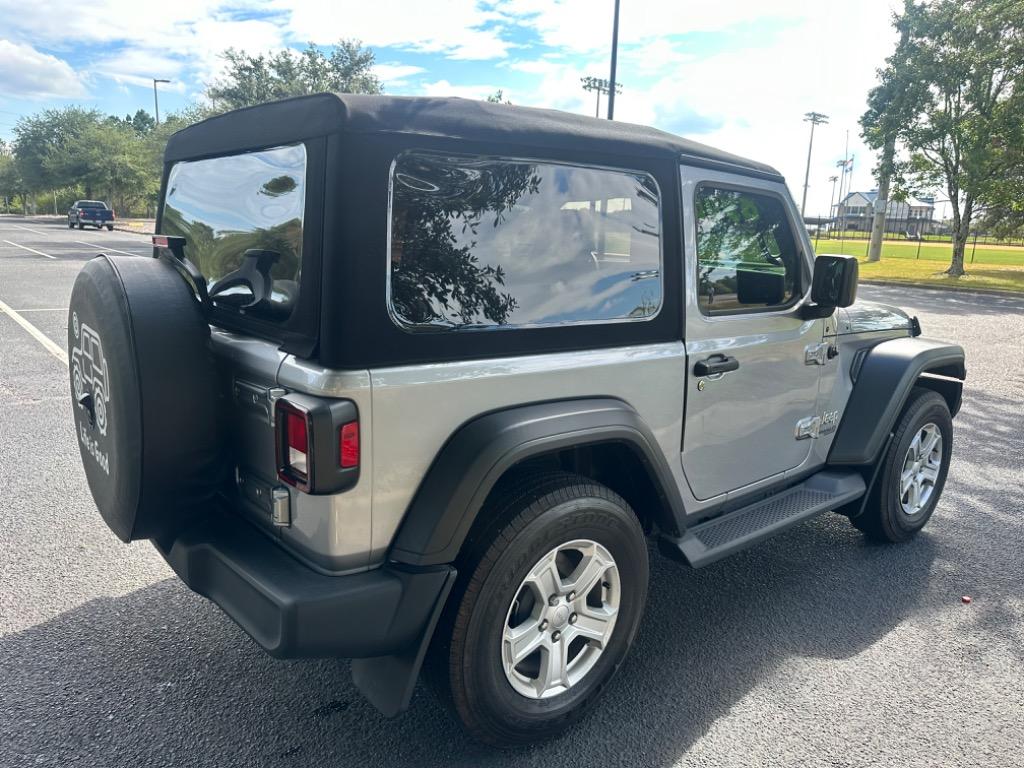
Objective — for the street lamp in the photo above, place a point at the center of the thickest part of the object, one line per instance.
(601, 86)
(156, 99)
(814, 118)
(615, 54)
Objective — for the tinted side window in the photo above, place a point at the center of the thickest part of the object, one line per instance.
(490, 242)
(747, 257)
(226, 206)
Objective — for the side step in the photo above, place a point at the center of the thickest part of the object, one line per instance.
(721, 536)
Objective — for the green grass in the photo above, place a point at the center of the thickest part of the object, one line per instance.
(860, 236)
(931, 252)
(930, 273)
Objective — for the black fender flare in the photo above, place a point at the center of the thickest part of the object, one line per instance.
(883, 377)
(477, 454)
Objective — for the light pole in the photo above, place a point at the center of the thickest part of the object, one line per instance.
(601, 86)
(615, 54)
(814, 118)
(832, 200)
(156, 99)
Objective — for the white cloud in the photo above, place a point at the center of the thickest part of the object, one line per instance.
(585, 25)
(458, 29)
(444, 88)
(394, 73)
(26, 72)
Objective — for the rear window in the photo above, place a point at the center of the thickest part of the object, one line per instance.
(242, 208)
(489, 242)
(91, 204)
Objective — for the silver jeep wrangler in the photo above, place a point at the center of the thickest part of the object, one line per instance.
(415, 381)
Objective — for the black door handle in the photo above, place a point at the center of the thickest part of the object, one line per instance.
(715, 364)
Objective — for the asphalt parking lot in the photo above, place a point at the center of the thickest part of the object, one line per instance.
(815, 649)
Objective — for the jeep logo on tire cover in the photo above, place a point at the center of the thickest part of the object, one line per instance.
(89, 372)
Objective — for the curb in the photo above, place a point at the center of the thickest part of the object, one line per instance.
(943, 288)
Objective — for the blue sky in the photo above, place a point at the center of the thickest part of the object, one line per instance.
(738, 75)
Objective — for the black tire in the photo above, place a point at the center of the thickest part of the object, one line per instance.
(110, 227)
(145, 396)
(530, 517)
(71, 224)
(884, 518)
(81, 225)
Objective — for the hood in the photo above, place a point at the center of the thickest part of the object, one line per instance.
(869, 316)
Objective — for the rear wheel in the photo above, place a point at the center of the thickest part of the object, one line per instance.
(548, 604)
(81, 225)
(913, 471)
(110, 227)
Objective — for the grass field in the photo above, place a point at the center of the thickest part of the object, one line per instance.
(897, 249)
(995, 268)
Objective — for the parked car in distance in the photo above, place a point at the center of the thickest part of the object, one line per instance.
(94, 212)
(415, 382)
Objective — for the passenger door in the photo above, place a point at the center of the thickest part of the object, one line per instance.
(749, 385)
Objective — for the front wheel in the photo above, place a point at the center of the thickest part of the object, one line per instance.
(913, 471)
(547, 605)
(110, 227)
(71, 224)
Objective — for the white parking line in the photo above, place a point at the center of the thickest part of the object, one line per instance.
(107, 248)
(41, 309)
(31, 250)
(29, 229)
(48, 344)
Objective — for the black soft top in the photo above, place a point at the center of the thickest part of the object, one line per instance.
(305, 117)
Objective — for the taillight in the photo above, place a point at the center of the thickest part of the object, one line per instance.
(297, 437)
(317, 443)
(348, 438)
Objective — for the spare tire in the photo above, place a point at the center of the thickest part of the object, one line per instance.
(143, 385)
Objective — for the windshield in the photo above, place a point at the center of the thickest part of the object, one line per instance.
(225, 207)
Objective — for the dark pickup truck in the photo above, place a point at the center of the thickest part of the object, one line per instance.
(93, 212)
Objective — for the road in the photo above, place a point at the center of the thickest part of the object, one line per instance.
(814, 649)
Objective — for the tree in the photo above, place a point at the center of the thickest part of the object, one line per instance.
(258, 79)
(38, 136)
(890, 106)
(11, 184)
(965, 59)
(141, 122)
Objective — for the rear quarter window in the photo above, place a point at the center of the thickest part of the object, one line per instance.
(483, 242)
(226, 206)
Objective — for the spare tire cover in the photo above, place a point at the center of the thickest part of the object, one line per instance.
(143, 387)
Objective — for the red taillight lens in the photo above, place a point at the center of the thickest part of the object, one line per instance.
(348, 437)
(297, 439)
(293, 445)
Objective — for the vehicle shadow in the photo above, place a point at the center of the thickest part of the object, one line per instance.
(161, 677)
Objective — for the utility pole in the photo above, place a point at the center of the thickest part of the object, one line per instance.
(601, 86)
(845, 165)
(814, 118)
(832, 200)
(615, 55)
(156, 99)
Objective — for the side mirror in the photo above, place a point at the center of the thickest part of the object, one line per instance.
(834, 284)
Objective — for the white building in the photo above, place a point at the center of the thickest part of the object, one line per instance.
(909, 217)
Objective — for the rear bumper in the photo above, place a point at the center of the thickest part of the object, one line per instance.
(293, 611)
